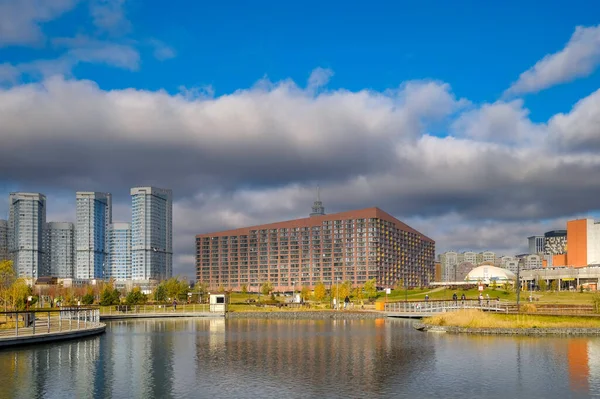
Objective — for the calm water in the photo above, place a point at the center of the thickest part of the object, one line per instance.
(202, 358)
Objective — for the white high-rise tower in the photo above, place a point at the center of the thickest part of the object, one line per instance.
(151, 233)
(26, 222)
(94, 215)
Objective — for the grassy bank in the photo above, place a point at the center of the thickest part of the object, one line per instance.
(472, 318)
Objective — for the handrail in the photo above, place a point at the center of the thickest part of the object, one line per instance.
(65, 319)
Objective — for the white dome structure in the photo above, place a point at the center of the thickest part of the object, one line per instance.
(486, 274)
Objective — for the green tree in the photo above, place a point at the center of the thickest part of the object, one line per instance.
(110, 296)
(494, 285)
(176, 288)
(320, 291)
(370, 288)
(160, 294)
(542, 284)
(554, 285)
(266, 288)
(358, 293)
(87, 299)
(135, 297)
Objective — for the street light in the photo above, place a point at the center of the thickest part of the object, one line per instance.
(337, 294)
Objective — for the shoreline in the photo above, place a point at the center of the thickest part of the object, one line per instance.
(547, 331)
(43, 338)
(308, 315)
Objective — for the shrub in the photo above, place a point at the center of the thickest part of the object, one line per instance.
(87, 299)
(596, 302)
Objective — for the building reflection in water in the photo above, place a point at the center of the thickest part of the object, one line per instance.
(187, 358)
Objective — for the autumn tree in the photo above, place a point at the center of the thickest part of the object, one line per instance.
(176, 288)
(370, 288)
(266, 288)
(305, 293)
(320, 291)
(7, 277)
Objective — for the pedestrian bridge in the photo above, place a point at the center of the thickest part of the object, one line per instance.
(431, 308)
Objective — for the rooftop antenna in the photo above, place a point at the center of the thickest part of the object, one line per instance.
(318, 209)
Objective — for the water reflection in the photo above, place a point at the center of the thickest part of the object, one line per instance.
(191, 358)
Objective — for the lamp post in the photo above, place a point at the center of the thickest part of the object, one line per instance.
(518, 285)
(293, 291)
(337, 293)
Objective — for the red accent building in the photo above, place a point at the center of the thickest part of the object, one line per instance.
(350, 246)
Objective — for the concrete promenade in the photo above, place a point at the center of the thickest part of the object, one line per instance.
(40, 326)
(121, 316)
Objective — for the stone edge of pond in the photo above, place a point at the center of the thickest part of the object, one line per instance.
(507, 331)
(43, 338)
(308, 315)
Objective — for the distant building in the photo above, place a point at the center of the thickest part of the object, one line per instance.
(4, 240)
(27, 219)
(151, 233)
(93, 215)
(350, 246)
(555, 242)
(59, 249)
(450, 260)
(119, 251)
(530, 261)
(536, 244)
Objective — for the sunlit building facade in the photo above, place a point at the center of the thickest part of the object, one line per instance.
(350, 246)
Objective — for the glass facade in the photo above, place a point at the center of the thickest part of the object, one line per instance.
(151, 233)
(94, 215)
(119, 251)
(27, 219)
(59, 249)
(4, 240)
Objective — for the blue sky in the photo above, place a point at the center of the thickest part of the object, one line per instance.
(479, 48)
(465, 119)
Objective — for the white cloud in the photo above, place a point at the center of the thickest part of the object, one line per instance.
(319, 77)
(500, 122)
(579, 58)
(161, 50)
(256, 155)
(20, 19)
(109, 16)
(9, 74)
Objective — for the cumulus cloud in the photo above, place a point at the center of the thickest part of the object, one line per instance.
(319, 77)
(256, 156)
(20, 20)
(579, 58)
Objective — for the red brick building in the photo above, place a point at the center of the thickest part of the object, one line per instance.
(349, 246)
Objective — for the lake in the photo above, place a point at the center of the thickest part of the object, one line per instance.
(250, 358)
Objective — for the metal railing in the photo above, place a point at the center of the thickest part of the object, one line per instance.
(37, 322)
(154, 309)
(445, 306)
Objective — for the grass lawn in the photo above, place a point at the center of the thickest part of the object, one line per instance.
(477, 319)
(563, 297)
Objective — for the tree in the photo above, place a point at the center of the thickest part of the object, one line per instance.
(305, 293)
(494, 285)
(19, 291)
(266, 288)
(244, 289)
(110, 296)
(542, 284)
(160, 294)
(136, 297)
(554, 285)
(370, 288)
(7, 277)
(320, 291)
(176, 288)
(358, 293)
(345, 289)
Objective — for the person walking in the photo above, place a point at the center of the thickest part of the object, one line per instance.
(174, 305)
(346, 301)
(462, 298)
(455, 299)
